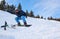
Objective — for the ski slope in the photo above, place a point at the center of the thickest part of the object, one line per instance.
(40, 29)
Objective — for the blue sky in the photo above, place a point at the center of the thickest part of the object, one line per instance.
(44, 8)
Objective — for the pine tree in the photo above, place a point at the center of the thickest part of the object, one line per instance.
(31, 14)
(12, 7)
(19, 7)
(41, 17)
(27, 13)
(37, 16)
(3, 2)
(2, 5)
(50, 18)
(7, 7)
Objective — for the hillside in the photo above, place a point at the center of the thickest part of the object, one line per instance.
(40, 29)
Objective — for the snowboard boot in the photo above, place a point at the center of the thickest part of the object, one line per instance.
(19, 24)
(25, 23)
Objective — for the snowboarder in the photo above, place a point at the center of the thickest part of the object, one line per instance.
(21, 15)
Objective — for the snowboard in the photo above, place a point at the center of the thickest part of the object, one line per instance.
(14, 26)
(22, 25)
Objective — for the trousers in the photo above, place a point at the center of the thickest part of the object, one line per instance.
(20, 18)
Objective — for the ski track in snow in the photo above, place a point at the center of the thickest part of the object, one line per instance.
(40, 29)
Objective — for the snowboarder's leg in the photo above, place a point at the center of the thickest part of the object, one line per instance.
(17, 20)
(24, 19)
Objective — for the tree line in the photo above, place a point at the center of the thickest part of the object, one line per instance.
(11, 8)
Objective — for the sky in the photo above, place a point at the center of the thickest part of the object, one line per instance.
(45, 8)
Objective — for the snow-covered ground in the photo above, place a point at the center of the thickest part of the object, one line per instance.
(40, 29)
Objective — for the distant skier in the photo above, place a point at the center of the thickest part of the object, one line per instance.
(21, 15)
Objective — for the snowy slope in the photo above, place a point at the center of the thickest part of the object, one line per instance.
(40, 29)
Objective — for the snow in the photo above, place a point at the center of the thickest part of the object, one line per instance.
(40, 29)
